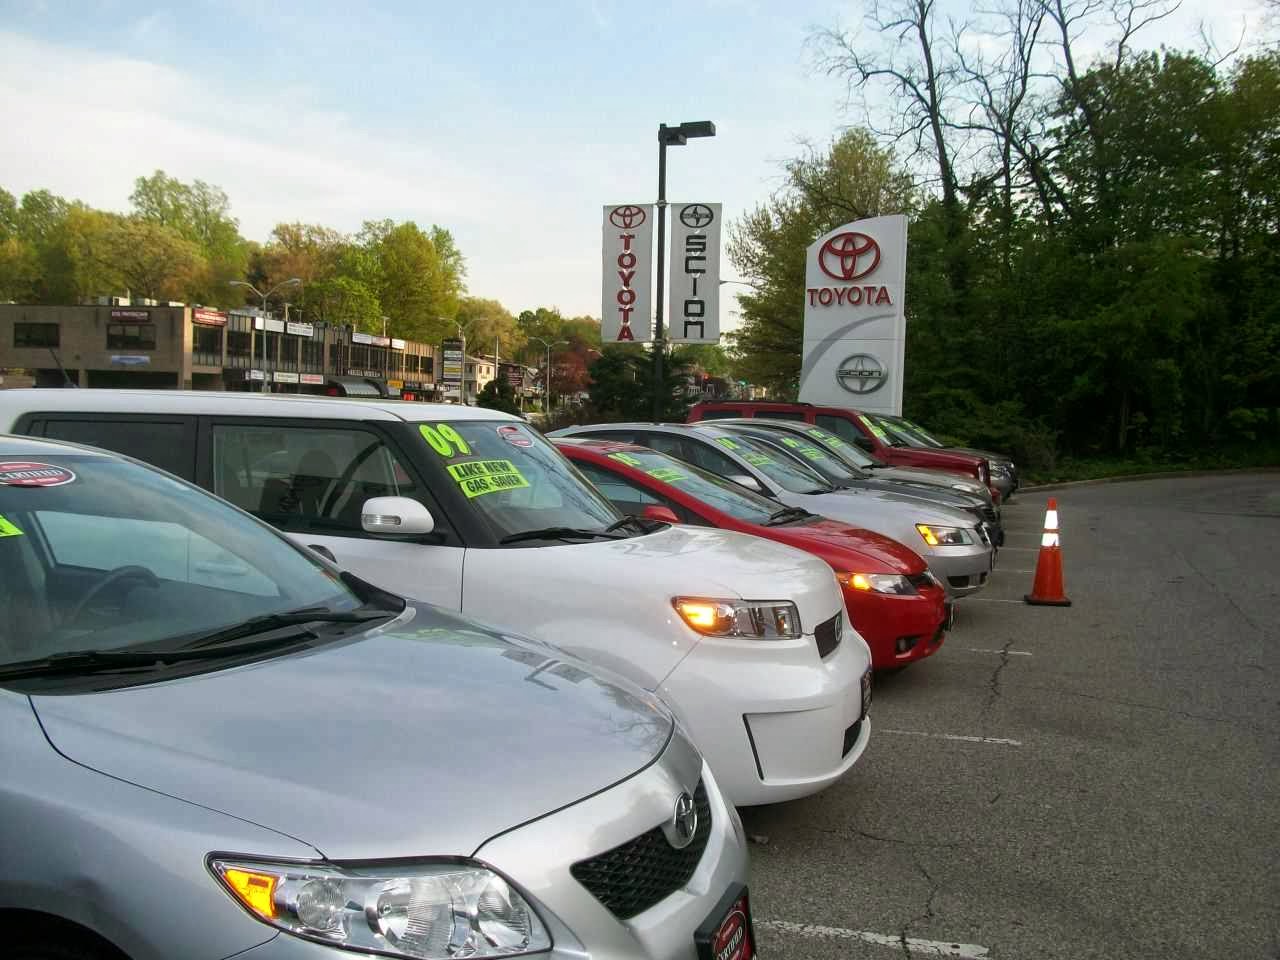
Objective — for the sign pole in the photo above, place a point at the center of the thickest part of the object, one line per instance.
(658, 337)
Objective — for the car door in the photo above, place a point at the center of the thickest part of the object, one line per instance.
(311, 479)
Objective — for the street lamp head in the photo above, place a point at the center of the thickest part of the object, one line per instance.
(292, 281)
(239, 283)
(678, 136)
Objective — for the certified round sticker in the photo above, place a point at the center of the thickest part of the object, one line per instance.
(20, 473)
(515, 436)
(732, 941)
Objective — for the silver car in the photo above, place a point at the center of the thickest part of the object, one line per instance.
(216, 744)
(955, 544)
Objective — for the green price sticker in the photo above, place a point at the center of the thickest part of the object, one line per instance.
(626, 458)
(478, 477)
(7, 529)
(667, 475)
(875, 428)
(445, 440)
(813, 453)
(757, 459)
(791, 442)
(727, 443)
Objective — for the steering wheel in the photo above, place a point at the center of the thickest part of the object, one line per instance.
(110, 579)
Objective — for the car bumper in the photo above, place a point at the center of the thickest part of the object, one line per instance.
(899, 630)
(774, 720)
(538, 857)
(963, 570)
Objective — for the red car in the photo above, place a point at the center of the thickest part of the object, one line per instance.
(853, 427)
(893, 601)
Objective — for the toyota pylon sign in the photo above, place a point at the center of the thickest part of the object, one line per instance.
(855, 329)
(626, 311)
(694, 273)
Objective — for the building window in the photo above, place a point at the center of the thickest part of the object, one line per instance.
(131, 336)
(207, 349)
(313, 355)
(35, 335)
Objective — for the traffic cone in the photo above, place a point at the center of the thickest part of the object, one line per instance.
(1047, 591)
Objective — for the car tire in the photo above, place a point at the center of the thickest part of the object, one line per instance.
(35, 946)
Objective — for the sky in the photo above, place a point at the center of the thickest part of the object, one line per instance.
(509, 123)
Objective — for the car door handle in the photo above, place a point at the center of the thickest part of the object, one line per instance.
(323, 551)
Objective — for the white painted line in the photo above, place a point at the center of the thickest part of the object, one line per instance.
(1011, 570)
(1012, 653)
(1024, 549)
(913, 945)
(989, 600)
(953, 736)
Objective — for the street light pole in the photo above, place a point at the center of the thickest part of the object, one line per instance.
(253, 337)
(676, 137)
(462, 384)
(558, 343)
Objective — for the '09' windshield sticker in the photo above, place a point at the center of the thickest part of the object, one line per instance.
(757, 459)
(478, 477)
(7, 529)
(22, 473)
(727, 443)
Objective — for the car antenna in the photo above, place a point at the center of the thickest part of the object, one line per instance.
(66, 379)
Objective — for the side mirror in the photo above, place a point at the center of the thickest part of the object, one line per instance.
(748, 481)
(397, 515)
(656, 511)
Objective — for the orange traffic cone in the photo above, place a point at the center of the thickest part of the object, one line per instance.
(1047, 590)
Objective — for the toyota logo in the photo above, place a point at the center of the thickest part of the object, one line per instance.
(861, 373)
(627, 218)
(683, 825)
(849, 256)
(696, 216)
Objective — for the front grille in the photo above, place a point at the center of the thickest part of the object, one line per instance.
(632, 877)
(851, 737)
(828, 635)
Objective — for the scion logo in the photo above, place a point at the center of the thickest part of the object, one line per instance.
(683, 824)
(625, 218)
(696, 216)
(849, 256)
(861, 373)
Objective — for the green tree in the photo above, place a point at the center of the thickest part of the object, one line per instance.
(497, 394)
(486, 321)
(419, 280)
(151, 260)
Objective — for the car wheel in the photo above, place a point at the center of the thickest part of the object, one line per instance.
(73, 949)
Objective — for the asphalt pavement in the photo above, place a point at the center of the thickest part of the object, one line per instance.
(1099, 781)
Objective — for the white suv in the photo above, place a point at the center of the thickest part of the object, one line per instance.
(745, 639)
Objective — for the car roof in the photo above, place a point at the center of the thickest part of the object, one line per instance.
(15, 403)
(702, 426)
(19, 446)
(596, 445)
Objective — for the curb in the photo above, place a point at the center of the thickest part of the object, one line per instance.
(1165, 475)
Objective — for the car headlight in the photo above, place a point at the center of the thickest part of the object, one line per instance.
(943, 536)
(753, 619)
(440, 910)
(878, 583)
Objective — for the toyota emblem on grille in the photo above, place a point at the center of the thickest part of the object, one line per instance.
(684, 822)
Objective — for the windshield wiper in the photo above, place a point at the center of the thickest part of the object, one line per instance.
(559, 533)
(786, 515)
(274, 621)
(643, 524)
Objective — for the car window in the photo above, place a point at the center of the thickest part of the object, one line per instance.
(841, 427)
(818, 457)
(305, 478)
(785, 415)
(883, 435)
(625, 495)
(116, 555)
(668, 443)
(923, 434)
(853, 454)
(898, 435)
(789, 474)
(166, 444)
(511, 478)
(703, 455)
(721, 414)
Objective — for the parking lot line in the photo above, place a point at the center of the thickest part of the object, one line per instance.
(953, 736)
(912, 945)
(990, 600)
(1011, 653)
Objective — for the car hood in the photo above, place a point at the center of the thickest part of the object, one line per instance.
(985, 454)
(422, 738)
(942, 496)
(884, 513)
(932, 478)
(871, 551)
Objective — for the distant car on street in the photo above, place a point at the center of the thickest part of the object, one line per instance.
(217, 744)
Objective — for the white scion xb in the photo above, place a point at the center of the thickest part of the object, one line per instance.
(745, 639)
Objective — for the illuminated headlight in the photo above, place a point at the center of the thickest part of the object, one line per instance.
(879, 583)
(432, 911)
(943, 536)
(753, 619)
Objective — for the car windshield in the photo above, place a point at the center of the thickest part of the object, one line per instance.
(514, 480)
(919, 432)
(101, 554)
(852, 454)
(716, 492)
(817, 457)
(792, 475)
(900, 433)
(876, 426)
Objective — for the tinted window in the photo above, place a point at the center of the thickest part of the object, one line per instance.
(783, 414)
(301, 478)
(167, 444)
(625, 495)
(841, 427)
(35, 334)
(668, 443)
(817, 457)
(850, 452)
(716, 492)
(708, 458)
(777, 466)
(131, 336)
(721, 414)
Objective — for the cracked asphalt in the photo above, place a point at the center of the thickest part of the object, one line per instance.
(1136, 814)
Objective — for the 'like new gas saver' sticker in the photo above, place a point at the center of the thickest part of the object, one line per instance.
(478, 477)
